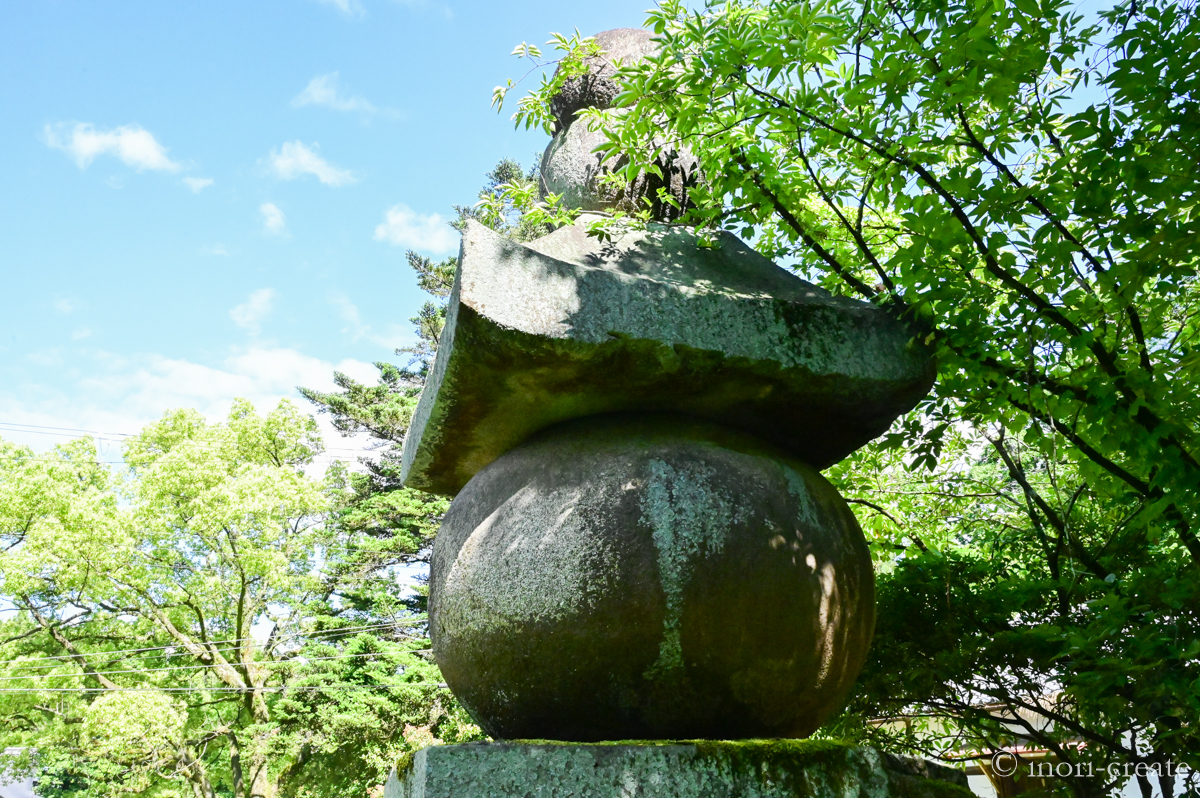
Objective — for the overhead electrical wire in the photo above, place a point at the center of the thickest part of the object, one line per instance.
(301, 661)
(316, 636)
(356, 455)
(277, 689)
(45, 459)
(338, 631)
(67, 432)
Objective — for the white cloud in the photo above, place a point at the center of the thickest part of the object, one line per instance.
(80, 334)
(198, 184)
(405, 228)
(249, 314)
(274, 222)
(134, 145)
(323, 91)
(217, 249)
(66, 304)
(119, 395)
(295, 160)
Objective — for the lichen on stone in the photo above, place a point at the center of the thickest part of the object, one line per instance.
(689, 517)
(806, 509)
(545, 552)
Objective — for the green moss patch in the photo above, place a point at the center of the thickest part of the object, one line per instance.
(777, 767)
(404, 764)
(783, 754)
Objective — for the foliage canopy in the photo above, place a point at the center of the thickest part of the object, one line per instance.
(1017, 184)
(211, 616)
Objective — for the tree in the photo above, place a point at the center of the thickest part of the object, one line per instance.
(211, 616)
(990, 633)
(384, 410)
(1018, 186)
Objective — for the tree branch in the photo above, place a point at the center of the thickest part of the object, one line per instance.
(825, 255)
(69, 647)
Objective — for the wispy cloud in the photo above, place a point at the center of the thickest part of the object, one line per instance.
(323, 91)
(296, 160)
(349, 313)
(405, 228)
(132, 144)
(218, 249)
(80, 334)
(274, 222)
(351, 8)
(66, 304)
(46, 357)
(422, 5)
(249, 314)
(355, 329)
(197, 184)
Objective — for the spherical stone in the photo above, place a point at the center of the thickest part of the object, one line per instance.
(649, 577)
(596, 88)
(572, 169)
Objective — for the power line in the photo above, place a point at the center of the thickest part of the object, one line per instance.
(37, 429)
(45, 459)
(62, 430)
(335, 633)
(301, 661)
(317, 637)
(279, 689)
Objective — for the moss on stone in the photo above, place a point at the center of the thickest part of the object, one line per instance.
(778, 753)
(766, 768)
(735, 752)
(404, 764)
(786, 757)
(689, 516)
(532, 340)
(596, 744)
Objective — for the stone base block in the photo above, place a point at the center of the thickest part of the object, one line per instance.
(701, 769)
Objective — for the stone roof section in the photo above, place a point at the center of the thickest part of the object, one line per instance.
(569, 326)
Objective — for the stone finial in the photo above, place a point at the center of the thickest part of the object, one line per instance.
(570, 166)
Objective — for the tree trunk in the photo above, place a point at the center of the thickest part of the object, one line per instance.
(193, 771)
(235, 766)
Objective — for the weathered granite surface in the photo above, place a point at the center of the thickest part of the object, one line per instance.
(568, 326)
(748, 769)
(649, 576)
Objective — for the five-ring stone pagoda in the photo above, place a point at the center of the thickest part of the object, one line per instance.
(640, 545)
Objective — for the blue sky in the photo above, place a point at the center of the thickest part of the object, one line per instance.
(208, 200)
